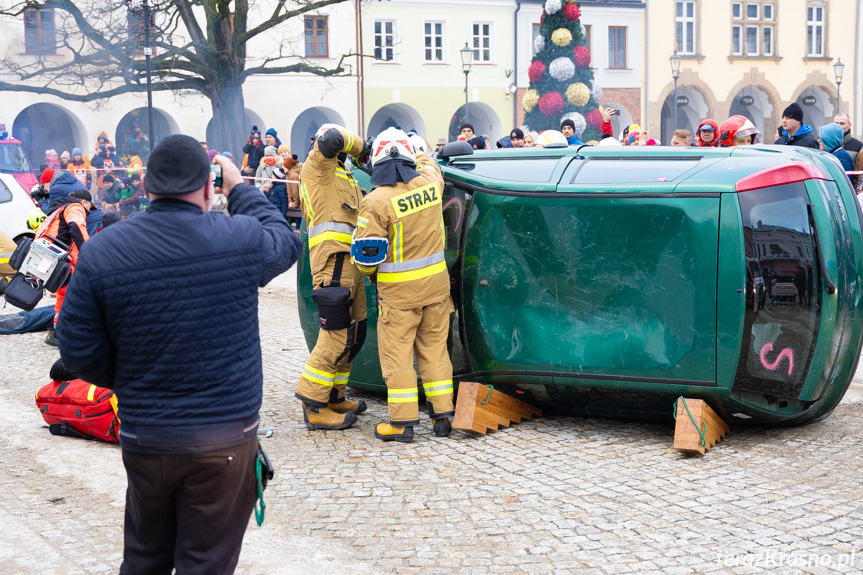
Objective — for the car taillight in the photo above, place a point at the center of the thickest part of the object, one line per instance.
(779, 175)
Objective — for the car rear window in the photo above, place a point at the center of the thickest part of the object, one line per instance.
(511, 169)
(633, 170)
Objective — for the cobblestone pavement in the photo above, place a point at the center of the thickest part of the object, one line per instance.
(555, 495)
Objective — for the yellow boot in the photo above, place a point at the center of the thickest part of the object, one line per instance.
(318, 418)
(388, 432)
(345, 405)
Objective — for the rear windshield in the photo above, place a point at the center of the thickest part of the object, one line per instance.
(633, 170)
(13, 160)
(511, 169)
(782, 279)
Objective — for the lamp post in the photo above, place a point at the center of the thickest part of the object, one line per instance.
(466, 61)
(838, 69)
(144, 10)
(675, 73)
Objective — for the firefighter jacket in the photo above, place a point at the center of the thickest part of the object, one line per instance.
(329, 196)
(68, 223)
(410, 216)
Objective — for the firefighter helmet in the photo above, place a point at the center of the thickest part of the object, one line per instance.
(392, 144)
(35, 219)
(737, 127)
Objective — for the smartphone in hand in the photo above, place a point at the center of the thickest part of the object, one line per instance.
(217, 170)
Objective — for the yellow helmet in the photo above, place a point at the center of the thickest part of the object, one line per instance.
(35, 219)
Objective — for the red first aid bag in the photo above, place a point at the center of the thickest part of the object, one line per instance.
(79, 409)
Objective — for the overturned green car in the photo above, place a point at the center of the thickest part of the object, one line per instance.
(610, 281)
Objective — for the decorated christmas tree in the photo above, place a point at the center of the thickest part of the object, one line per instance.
(561, 80)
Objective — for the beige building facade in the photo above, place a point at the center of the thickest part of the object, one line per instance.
(752, 58)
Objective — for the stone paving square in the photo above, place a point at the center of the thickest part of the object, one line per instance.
(553, 495)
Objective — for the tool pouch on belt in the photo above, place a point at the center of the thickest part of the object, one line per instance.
(334, 301)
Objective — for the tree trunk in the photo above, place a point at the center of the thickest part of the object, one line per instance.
(229, 129)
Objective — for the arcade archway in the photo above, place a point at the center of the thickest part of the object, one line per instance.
(818, 106)
(400, 115)
(131, 136)
(483, 118)
(47, 126)
(307, 123)
(691, 109)
(757, 105)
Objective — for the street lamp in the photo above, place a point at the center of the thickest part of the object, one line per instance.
(838, 69)
(144, 10)
(675, 73)
(466, 61)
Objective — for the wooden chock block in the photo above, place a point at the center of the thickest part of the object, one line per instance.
(479, 408)
(686, 437)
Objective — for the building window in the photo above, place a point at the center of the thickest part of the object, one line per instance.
(536, 32)
(39, 31)
(385, 37)
(752, 29)
(616, 47)
(482, 43)
(317, 45)
(434, 42)
(587, 43)
(685, 22)
(815, 31)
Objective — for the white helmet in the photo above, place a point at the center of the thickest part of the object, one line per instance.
(324, 128)
(418, 143)
(392, 144)
(551, 137)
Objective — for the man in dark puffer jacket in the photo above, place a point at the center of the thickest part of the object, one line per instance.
(163, 309)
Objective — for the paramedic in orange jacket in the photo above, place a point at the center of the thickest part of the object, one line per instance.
(400, 242)
(330, 198)
(68, 224)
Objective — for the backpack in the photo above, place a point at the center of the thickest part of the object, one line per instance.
(79, 409)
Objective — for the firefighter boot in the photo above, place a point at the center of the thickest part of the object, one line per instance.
(388, 432)
(344, 405)
(442, 427)
(319, 418)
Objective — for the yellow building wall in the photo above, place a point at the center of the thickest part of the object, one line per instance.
(425, 96)
(721, 77)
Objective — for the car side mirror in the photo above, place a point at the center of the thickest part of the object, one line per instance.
(457, 148)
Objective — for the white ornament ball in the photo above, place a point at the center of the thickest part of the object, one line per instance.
(553, 6)
(539, 44)
(596, 92)
(578, 120)
(562, 69)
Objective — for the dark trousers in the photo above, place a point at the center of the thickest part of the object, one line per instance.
(278, 196)
(187, 512)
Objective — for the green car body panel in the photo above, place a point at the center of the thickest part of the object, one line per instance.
(608, 282)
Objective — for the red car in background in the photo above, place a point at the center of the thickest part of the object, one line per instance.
(14, 161)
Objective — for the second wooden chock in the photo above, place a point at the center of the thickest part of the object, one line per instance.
(480, 408)
(697, 427)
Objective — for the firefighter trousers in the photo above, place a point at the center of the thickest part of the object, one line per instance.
(420, 332)
(326, 373)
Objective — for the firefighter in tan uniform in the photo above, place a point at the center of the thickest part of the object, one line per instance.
(330, 198)
(400, 243)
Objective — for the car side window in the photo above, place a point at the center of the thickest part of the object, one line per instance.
(5, 193)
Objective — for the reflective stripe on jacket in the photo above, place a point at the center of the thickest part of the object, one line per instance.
(410, 216)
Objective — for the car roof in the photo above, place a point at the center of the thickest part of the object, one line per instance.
(659, 168)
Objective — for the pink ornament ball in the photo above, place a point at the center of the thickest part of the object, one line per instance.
(571, 12)
(582, 56)
(536, 71)
(551, 104)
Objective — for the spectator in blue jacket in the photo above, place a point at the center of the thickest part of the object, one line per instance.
(163, 309)
(832, 142)
(567, 128)
(62, 185)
